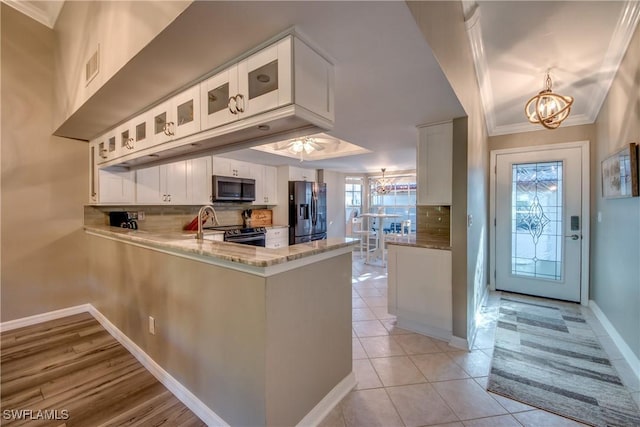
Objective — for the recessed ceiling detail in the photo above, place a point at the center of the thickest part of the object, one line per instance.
(321, 147)
(515, 43)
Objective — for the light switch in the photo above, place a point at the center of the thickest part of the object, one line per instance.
(469, 220)
(599, 216)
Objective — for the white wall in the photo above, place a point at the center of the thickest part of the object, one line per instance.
(336, 222)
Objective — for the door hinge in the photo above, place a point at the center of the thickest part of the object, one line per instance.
(495, 169)
(494, 222)
(494, 274)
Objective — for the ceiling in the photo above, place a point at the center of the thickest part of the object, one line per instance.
(514, 43)
(387, 79)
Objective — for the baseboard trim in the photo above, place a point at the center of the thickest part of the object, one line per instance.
(460, 343)
(627, 353)
(326, 405)
(44, 317)
(180, 391)
(174, 386)
(424, 329)
(313, 418)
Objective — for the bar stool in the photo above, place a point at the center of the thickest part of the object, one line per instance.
(364, 235)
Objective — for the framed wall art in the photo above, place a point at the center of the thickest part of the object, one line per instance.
(620, 173)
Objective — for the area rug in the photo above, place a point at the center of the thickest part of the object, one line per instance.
(547, 356)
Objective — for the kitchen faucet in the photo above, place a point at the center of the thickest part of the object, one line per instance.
(205, 208)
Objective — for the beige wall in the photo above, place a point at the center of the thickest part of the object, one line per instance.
(615, 242)
(255, 350)
(44, 181)
(442, 24)
(121, 28)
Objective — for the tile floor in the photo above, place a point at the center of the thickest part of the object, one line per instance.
(407, 379)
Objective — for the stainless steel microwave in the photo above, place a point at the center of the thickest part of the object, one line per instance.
(233, 189)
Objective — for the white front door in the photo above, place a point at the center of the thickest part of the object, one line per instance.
(539, 223)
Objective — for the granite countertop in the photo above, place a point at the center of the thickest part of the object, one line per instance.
(420, 240)
(185, 242)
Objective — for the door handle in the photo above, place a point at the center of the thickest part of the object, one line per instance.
(573, 236)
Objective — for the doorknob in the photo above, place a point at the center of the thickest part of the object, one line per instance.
(573, 237)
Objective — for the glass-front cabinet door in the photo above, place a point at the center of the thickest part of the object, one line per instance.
(186, 112)
(162, 124)
(264, 79)
(218, 106)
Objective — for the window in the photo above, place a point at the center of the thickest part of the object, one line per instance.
(400, 200)
(352, 200)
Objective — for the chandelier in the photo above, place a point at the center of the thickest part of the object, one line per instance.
(548, 108)
(383, 185)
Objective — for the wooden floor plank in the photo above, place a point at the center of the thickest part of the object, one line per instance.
(75, 365)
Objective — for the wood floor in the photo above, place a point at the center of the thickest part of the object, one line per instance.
(73, 370)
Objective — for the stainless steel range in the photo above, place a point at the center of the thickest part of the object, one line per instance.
(255, 236)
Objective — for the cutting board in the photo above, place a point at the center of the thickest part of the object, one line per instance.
(261, 217)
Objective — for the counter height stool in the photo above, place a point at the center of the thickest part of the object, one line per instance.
(364, 235)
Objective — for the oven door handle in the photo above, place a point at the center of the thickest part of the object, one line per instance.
(246, 239)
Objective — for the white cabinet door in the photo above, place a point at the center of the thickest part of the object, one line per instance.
(141, 131)
(277, 238)
(93, 172)
(214, 98)
(230, 167)
(257, 173)
(148, 186)
(107, 147)
(420, 290)
(175, 182)
(300, 174)
(162, 122)
(199, 180)
(270, 185)
(117, 186)
(125, 141)
(264, 79)
(434, 164)
(186, 112)
(177, 117)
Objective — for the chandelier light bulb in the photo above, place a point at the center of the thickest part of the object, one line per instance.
(547, 108)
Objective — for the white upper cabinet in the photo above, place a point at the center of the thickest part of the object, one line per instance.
(314, 81)
(300, 174)
(230, 167)
(270, 185)
(257, 84)
(177, 117)
(434, 164)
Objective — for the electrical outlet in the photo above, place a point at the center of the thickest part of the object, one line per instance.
(152, 325)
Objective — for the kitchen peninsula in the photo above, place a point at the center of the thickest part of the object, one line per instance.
(225, 312)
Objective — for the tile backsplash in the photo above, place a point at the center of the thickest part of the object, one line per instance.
(164, 218)
(434, 221)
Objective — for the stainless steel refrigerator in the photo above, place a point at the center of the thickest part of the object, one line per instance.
(307, 211)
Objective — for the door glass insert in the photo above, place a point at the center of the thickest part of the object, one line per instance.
(112, 144)
(141, 131)
(159, 123)
(185, 112)
(218, 98)
(536, 220)
(263, 80)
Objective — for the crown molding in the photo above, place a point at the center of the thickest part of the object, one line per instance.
(625, 28)
(616, 51)
(575, 120)
(47, 16)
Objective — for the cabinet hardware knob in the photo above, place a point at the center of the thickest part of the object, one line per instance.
(233, 110)
(240, 97)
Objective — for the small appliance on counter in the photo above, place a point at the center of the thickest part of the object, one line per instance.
(123, 219)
